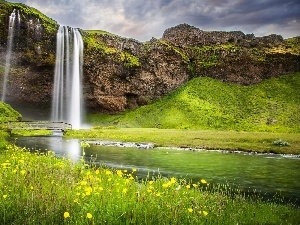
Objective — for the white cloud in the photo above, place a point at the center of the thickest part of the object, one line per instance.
(148, 18)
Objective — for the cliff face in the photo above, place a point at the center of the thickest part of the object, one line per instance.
(122, 73)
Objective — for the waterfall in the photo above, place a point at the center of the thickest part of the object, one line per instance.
(67, 87)
(10, 37)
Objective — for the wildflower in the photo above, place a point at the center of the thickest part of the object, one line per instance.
(119, 173)
(66, 215)
(97, 171)
(204, 213)
(4, 196)
(134, 170)
(158, 194)
(23, 172)
(83, 183)
(101, 189)
(203, 181)
(166, 185)
(188, 186)
(108, 172)
(173, 180)
(124, 191)
(6, 165)
(89, 216)
(195, 185)
(151, 182)
(190, 210)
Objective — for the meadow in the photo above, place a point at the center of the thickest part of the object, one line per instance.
(39, 188)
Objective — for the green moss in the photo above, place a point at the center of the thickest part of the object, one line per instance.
(129, 60)
(93, 44)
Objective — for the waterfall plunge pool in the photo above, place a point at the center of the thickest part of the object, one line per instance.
(266, 173)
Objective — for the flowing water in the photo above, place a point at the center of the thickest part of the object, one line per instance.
(268, 174)
(67, 91)
(10, 38)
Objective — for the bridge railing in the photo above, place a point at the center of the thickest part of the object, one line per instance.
(38, 125)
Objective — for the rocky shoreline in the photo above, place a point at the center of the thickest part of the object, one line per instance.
(152, 146)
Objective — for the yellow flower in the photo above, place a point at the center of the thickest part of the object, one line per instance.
(89, 216)
(158, 194)
(66, 215)
(4, 196)
(151, 182)
(119, 173)
(97, 171)
(107, 172)
(173, 180)
(195, 185)
(124, 190)
(190, 210)
(101, 189)
(134, 170)
(204, 213)
(83, 183)
(203, 181)
(188, 186)
(23, 172)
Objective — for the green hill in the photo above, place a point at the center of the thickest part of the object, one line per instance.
(205, 103)
(7, 113)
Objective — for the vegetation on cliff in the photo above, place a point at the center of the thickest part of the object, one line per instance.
(206, 103)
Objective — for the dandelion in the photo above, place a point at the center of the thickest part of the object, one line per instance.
(4, 196)
(66, 215)
(23, 172)
(108, 172)
(204, 213)
(190, 210)
(173, 180)
(134, 170)
(195, 185)
(89, 216)
(97, 171)
(151, 182)
(203, 181)
(119, 173)
(188, 186)
(158, 194)
(124, 191)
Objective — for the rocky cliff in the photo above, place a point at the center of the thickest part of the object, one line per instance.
(122, 73)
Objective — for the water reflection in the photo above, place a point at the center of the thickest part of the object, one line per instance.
(63, 148)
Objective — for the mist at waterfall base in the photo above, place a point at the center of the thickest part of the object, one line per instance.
(67, 88)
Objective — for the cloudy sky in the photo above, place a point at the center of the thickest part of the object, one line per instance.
(144, 19)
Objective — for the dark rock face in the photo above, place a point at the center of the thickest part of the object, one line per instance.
(122, 73)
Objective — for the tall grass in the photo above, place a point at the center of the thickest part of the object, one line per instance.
(42, 189)
(206, 103)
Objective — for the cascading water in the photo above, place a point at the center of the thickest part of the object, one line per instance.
(10, 37)
(67, 91)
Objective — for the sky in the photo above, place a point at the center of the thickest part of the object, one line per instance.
(144, 19)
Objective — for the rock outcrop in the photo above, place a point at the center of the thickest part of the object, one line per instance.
(121, 73)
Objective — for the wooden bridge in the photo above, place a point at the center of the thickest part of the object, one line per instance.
(38, 125)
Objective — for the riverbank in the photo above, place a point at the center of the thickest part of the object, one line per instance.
(260, 142)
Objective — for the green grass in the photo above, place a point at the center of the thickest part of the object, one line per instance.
(208, 104)
(43, 189)
(207, 139)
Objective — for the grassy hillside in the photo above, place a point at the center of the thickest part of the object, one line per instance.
(205, 103)
(7, 113)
